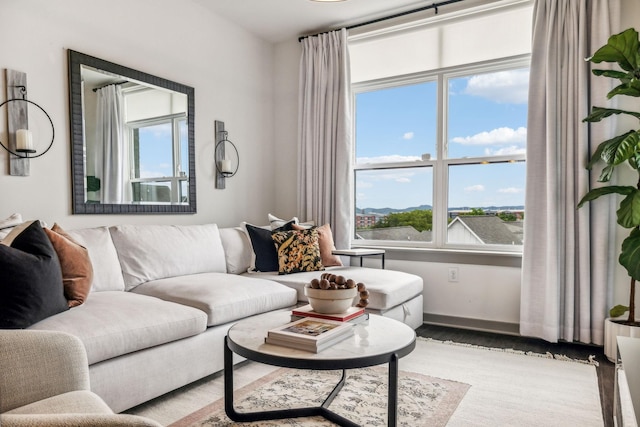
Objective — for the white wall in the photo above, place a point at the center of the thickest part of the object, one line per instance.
(285, 117)
(231, 71)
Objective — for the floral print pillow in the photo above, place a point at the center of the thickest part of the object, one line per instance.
(298, 250)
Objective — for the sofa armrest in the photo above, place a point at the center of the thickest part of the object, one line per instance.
(76, 420)
(39, 364)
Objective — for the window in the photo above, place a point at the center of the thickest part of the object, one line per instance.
(440, 157)
(159, 160)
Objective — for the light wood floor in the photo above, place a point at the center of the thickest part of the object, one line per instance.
(605, 371)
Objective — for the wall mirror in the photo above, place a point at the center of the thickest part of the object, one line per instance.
(132, 137)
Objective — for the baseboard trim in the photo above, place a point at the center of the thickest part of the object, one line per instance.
(472, 324)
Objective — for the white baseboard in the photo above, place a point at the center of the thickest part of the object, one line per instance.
(472, 324)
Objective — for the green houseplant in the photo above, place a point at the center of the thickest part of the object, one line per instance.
(621, 49)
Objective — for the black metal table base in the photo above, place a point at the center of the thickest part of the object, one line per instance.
(322, 410)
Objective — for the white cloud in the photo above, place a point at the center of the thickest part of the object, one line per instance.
(474, 188)
(408, 135)
(402, 179)
(364, 184)
(497, 136)
(394, 158)
(511, 190)
(505, 87)
(148, 173)
(506, 151)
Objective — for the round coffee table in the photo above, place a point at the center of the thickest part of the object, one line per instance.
(375, 341)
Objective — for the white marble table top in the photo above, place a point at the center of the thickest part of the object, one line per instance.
(378, 337)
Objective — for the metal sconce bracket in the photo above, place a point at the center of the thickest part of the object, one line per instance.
(220, 149)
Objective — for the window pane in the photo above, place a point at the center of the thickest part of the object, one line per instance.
(155, 151)
(394, 204)
(487, 114)
(486, 204)
(396, 124)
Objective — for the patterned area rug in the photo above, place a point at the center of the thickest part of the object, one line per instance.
(422, 400)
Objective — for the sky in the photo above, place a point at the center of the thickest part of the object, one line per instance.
(156, 150)
(487, 115)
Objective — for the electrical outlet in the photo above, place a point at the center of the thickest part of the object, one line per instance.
(453, 274)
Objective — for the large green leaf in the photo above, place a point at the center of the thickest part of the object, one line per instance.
(614, 74)
(629, 211)
(620, 148)
(607, 172)
(601, 191)
(599, 113)
(618, 310)
(630, 255)
(631, 88)
(621, 48)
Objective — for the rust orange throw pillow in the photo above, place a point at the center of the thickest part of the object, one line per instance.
(325, 241)
(77, 271)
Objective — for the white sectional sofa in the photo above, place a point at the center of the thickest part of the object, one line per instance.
(163, 298)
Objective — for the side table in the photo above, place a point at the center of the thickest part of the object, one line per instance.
(360, 252)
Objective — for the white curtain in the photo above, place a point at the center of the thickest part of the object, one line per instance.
(568, 260)
(324, 125)
(112, 153)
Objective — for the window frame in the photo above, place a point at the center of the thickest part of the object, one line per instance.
(440, 165)
(176, 179)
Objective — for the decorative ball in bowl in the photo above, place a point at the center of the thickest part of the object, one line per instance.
(333, 294)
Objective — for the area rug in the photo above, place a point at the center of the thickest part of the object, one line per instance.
(422, 400)
(507, 388)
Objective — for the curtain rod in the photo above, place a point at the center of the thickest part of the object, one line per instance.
(397, 15)
(95, 89)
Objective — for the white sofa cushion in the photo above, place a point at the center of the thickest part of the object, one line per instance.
(224, 297)
(107, 275)
(387, 288)
(151, 252)
(111, 324)
(237, 249)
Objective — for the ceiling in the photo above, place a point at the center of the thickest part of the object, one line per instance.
(281, 20)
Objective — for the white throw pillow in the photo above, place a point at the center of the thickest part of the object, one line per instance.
(237, 249)
(107, 274)
(151, 252)
(275, 222)
(8, 223)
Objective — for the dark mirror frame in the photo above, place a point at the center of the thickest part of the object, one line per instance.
(76, 59)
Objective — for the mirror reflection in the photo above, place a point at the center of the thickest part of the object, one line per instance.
(136, 145)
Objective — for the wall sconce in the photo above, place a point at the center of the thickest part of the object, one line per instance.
(20, 144)
(227, 161)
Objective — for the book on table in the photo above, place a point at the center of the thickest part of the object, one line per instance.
(310, 334)
(307, 311)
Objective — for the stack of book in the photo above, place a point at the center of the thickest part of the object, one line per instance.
(353, 314)
(310, 334)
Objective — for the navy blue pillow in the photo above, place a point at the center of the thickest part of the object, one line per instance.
(263, 246)
(30, 280)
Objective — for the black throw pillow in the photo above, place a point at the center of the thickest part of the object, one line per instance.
(31, 286)
(263, 246)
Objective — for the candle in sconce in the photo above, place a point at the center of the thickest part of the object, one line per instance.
(24, 139)
(225, 166)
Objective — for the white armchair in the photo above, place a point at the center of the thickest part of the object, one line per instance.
(44, 381)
